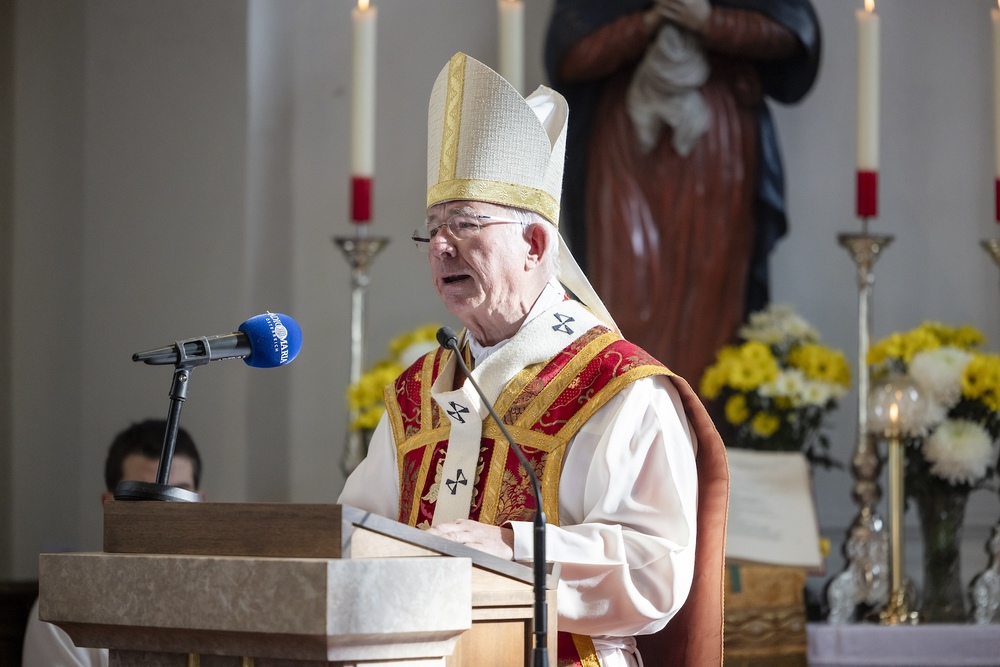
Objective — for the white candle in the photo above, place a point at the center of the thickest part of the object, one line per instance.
(868, 87)
(364, 19)
(511, 17)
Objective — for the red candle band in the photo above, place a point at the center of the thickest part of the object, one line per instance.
(996, 199)
(867, 194)
(361, 199)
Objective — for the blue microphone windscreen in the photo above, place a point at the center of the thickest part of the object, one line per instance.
(275, 340)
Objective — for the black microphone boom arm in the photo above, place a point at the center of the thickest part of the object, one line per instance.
(540, 657)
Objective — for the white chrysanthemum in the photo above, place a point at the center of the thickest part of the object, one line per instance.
(819, 393)
(789, 383)
(776, 324)
(959, 451)
(939, 372)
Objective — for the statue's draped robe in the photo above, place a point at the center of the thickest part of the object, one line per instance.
(677, 246)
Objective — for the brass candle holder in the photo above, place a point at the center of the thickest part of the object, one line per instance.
(895, 410)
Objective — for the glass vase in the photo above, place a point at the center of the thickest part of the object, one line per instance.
(941, 516)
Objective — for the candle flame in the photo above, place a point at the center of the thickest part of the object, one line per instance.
(870, 5)
(893, 413)
(363, 4)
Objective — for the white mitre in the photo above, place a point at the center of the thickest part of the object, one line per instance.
(487, 143)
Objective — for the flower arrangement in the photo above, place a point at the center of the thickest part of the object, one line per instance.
(777, 385)
(364, 397)
(961, 420)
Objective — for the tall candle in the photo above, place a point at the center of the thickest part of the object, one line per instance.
(995, 15)
(868, 110)
(511, 19)
(363, 18)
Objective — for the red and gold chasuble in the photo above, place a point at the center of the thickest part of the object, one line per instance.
(543, 405)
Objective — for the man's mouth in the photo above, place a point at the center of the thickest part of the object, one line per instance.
(448, 280)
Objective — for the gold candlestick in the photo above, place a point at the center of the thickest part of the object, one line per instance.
(895, 409)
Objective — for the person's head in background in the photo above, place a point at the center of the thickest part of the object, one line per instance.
(135, 456)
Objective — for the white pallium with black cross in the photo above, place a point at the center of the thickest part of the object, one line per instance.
(538, 341)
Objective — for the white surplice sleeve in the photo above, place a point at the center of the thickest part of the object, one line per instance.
(374, 484)
(627, 514)
(627, 509)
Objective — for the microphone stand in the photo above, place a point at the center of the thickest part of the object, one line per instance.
(540, 656)
(160, 490)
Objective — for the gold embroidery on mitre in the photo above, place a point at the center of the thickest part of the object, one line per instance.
(448, 162)
(494, 192)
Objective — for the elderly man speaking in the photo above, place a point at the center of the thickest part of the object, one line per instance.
(611, 434)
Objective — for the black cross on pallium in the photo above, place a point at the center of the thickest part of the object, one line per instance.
(457, 411)
(453, 483)
(563, 325)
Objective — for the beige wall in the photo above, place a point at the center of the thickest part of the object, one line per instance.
(179, 166)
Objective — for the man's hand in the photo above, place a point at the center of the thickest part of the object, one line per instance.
(495, 540)
(690, 14)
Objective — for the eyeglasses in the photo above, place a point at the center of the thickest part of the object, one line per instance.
(461, 226)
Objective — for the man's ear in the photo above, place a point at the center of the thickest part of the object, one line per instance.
(537, 245)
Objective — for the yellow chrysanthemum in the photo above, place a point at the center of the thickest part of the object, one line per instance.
(754, 366)
(713, 381)
(967, 337)
(764, 424)
(981, 380)
(821, 363)
(736, 409)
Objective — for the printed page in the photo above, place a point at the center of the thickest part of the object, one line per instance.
(772, 513)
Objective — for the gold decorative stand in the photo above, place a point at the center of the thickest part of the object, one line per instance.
(863, 580)
(360, 251)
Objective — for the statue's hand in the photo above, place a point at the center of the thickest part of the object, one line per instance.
(690, 14)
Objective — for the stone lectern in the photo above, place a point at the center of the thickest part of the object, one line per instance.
(276, 585)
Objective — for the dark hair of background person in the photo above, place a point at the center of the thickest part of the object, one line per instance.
(146, 438)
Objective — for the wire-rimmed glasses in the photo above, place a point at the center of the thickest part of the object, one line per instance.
(461, 226)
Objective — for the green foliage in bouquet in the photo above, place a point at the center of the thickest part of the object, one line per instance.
(777, 386)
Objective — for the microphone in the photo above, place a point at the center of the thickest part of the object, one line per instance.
(264, 341)
(447, 339)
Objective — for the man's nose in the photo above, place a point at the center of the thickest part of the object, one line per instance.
(441, 245)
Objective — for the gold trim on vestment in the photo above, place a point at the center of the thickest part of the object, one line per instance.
(564, 378)
(494, 192)
(448, 162)
(498, 464)
(427, 380)
(395, 416)
(603, 396)
(585, 650)
(516, 386)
